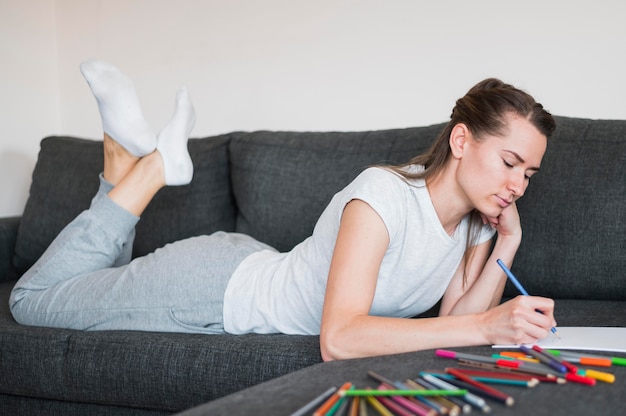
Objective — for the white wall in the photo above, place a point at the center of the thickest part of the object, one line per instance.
(298, 64)
(29, 93)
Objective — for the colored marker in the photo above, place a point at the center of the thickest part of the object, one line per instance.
(590, 361)
(523, 357)
(541, 375)
(519, 287)
(550, 362)
(598, 375)
(580, 379)
(473, 357)
(570, 367)
(614, 360)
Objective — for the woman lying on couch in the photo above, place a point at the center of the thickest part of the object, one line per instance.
(388, 247)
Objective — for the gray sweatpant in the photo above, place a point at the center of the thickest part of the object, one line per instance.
(86, 279)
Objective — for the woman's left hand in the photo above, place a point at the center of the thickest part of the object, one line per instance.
(507, 223)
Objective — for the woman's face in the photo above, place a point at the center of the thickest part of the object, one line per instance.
(495, 170)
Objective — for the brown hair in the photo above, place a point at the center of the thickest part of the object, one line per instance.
(484, 110)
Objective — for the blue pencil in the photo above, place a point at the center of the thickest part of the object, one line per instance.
(519, 287)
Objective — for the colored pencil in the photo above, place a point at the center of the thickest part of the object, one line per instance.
(471, 398)
(393, 407)
(378, 406)
(332, 400)
(386, 393)
(497, 373)
(426, 403)
(448, 405)
(340, 408)
(508, 381)
(490, 391)
(355, 406)
(362, 405)
(519, 287)
(412, 406)
(459, 401)
(310, 406)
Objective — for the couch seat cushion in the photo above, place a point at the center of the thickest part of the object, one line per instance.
(159, 371)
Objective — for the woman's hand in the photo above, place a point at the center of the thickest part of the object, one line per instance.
(518, 322)
(507, 223)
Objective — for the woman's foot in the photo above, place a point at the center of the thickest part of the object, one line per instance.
(122, 118)
(117, 161)
(172, 142)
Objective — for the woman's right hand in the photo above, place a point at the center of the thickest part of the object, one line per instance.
(518, 322)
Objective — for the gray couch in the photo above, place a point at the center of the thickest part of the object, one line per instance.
(273, 186)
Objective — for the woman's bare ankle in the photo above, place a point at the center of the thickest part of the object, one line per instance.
(139, 186)
(117, 160)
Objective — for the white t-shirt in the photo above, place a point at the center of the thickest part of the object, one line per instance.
(273, 292)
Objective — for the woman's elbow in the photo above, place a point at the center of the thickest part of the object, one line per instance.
(333, 346)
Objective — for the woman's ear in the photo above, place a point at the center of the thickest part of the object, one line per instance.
(458, 140)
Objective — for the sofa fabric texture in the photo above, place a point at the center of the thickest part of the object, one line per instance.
(273, 186)
(66, 178)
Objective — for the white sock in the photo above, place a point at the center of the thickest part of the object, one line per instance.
(122, 118)
(172, 141)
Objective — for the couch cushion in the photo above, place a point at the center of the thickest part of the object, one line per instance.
(282, 181)
(8, 234)
(143, 370)
(66, 178)
(573, 216)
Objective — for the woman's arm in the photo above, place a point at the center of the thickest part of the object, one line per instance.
(348, 331)
(482, 287)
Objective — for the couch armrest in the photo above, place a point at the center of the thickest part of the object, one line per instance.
(8, 236)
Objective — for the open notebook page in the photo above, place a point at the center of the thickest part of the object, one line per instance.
(583, 338)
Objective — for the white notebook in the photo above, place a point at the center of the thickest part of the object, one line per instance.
(584, 339)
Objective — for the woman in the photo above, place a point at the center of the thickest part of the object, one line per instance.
(388, 247)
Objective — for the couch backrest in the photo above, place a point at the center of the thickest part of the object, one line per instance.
(274, 185)
(65, 179)
(282, 181)
(574, 214)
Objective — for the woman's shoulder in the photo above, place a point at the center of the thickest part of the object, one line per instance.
(402, 175)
